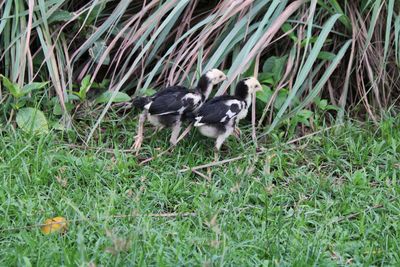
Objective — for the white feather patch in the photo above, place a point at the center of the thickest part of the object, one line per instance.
(198, 123)
(242, 114)
(230, 114)
(147, 106)
(196, 98)
(154, 120)
(232, 102)
(209, 131)
(181, 110)
(168, 112)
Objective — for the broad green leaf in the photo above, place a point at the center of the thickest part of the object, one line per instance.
(322, 104)
(305, 113)
(277, 70)
(325, 55)
(60, 16)
(103, 85)
(72, 97)
(274, 66)
(280, 98)
(32, 120)
(58, 126)
(57, 110)
(332, 107)
(309, 40)
(265, 94)
(119, 97)
(33, 86)
(266, 78)
(85, 86)
(19, 103)
(85, 83)
(14, 89)
(149, 91)
(286, 27)
(269, 64)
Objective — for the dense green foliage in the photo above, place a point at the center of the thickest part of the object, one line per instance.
(343, 52)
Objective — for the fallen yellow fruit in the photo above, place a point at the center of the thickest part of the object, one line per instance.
(56, 224)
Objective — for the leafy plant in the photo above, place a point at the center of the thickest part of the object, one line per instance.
(28, 119)
(83, 89)
(315, 41)
(19, 93)
(32, 120)
(273, 70)
(78, 97)
(301, 117)
(116, 97)
(323, 105)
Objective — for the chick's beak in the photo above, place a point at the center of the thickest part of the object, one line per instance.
(259, 88)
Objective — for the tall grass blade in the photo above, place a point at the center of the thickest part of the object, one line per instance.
(306, 68)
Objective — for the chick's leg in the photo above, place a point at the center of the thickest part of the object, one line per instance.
(218, 143)
(237, 132)
(216, 154)
(176, 129)
(139, 136)
(220, 140)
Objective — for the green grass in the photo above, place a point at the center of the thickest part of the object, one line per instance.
(331, 199)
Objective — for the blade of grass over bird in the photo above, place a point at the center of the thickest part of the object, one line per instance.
(321, 82)
(263, 41)
(177, 10)
(305, 69)
(343, 97)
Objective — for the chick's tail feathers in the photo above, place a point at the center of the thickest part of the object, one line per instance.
(140, 102)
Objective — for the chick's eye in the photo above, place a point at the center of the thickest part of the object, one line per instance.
(220, 76)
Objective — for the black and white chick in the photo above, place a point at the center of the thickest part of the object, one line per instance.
(168, 106)
(219, 117)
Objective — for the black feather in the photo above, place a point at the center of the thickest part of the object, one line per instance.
(214, 111)
(189, 116)
(167, 103)
(170, 90)
(219, 99)
(140, 102)
(203, 83)
(241, 90)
